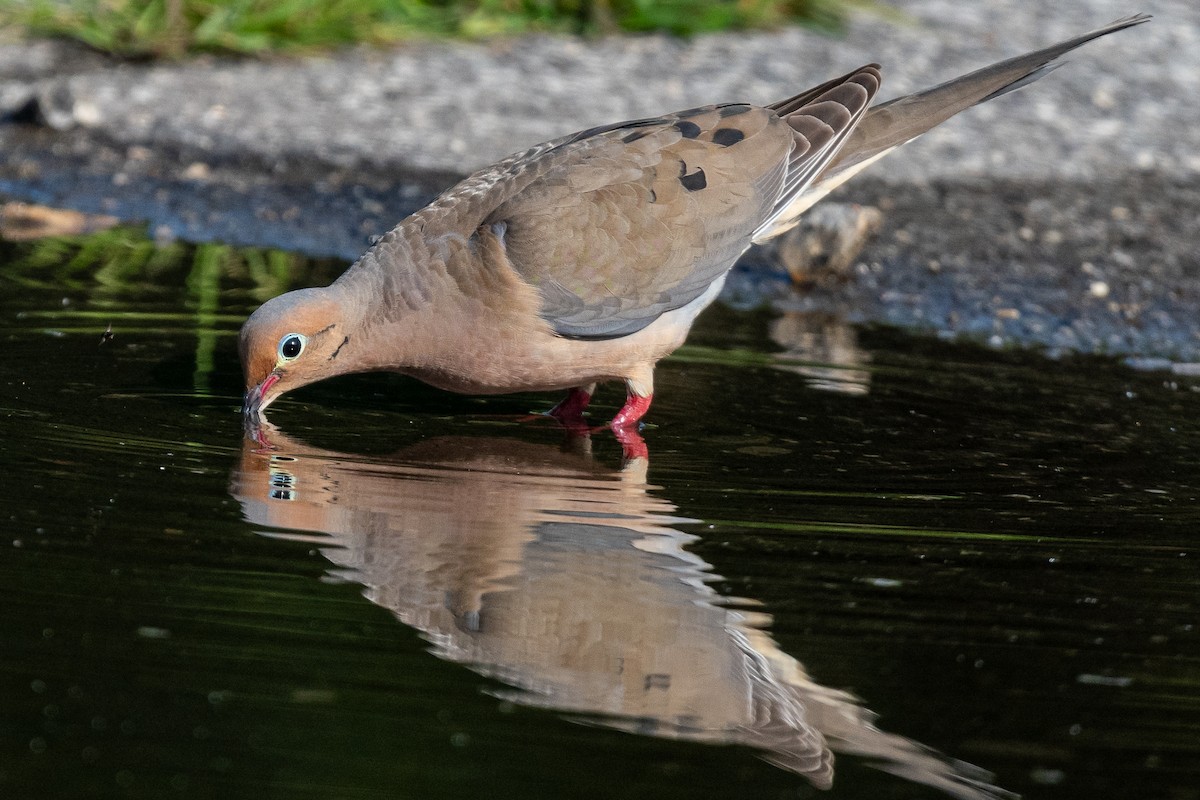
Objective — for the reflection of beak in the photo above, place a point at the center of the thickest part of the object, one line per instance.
(257, 400)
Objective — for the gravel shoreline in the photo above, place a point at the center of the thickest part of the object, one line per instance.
(1063, 217)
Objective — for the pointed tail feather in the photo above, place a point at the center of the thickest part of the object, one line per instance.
(889, 125)
(895, 122)
(822, 121)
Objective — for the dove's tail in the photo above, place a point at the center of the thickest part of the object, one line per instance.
(889, 125)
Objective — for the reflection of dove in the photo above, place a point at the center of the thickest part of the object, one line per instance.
(567, 581)
(587, 258)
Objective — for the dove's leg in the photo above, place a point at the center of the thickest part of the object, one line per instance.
(574, 404)
(640, 391)
(632, 412)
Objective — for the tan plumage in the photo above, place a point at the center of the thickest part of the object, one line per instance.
(586, 259)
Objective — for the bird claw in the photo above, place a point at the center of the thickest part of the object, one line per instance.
(624, 426)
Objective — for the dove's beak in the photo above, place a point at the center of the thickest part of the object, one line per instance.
(258, 398)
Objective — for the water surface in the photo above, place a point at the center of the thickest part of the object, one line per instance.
(894, 566)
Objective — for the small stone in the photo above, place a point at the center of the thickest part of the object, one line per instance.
(1098, 289)
(87, 113)
(197, 171)
(827, 241)
(1103, 98)
(214, 114)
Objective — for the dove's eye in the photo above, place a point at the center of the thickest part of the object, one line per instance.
(291, 346)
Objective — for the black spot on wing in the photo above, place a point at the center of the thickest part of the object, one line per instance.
(599, 129)
(694, 182)
(732, 110)
(727, 137)
(693, 112)
(633, 137)
(689, 130)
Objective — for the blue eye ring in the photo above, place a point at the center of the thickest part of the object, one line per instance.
(291, 346)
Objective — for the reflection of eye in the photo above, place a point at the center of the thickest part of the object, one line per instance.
(291, 345)
(282, 478)
(283, 484)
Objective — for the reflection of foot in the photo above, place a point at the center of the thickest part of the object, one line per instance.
(573, 424)
(579, 433)
(632, 443)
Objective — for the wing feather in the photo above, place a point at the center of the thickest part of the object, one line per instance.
(626, 222)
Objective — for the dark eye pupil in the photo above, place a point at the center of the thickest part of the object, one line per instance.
(291, 347)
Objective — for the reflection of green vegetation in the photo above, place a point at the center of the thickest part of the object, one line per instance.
(125, 259)
(173, 27)
(121, 268)
(204, 284)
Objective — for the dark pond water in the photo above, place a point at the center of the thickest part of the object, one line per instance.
(907, 568)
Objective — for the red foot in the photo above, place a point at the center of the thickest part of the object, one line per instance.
(631, 413)
(573, 405)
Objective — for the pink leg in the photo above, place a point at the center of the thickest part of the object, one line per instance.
(573, 405)
(632, 412)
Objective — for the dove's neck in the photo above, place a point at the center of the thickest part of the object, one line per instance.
(404, 296)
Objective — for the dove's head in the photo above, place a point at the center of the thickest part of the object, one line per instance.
(291, 341)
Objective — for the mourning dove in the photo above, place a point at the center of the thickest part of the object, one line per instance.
(587, 258)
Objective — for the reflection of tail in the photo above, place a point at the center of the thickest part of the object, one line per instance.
(782, 726)
(787, 702)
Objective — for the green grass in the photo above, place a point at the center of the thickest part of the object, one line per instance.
(171, 28)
